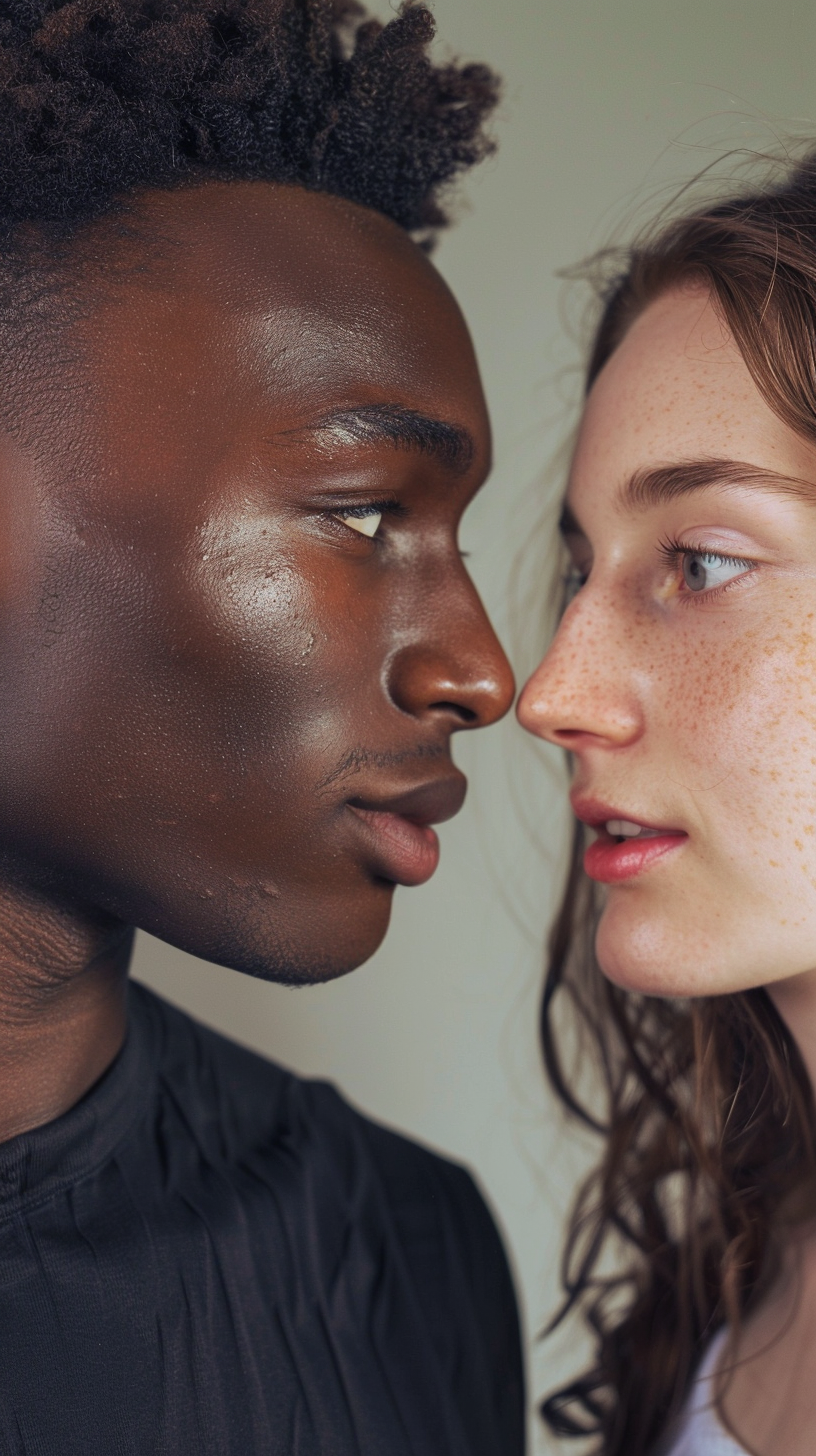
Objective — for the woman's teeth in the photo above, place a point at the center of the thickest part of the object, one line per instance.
(625, 829)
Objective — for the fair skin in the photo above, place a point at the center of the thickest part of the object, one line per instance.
(682, 680)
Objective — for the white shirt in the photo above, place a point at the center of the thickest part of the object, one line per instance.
(700, 1432)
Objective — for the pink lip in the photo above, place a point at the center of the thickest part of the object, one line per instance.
(609, 860)
(402, 845)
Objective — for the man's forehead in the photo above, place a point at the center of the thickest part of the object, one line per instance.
(240, 237)
(228, 304)
(320, 268)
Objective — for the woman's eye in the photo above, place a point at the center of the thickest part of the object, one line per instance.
(364, 519)
(703, 570)
(574, 580)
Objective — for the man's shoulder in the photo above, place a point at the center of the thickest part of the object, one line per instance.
(344, 1183)
(252, 1096)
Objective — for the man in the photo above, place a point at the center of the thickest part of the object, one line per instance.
(241, 418)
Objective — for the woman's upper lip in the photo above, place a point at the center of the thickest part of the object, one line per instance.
(596, 814)
(428, 803)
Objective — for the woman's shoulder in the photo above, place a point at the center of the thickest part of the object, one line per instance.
(701, 1432)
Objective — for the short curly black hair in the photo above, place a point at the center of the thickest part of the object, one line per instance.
(102, 98)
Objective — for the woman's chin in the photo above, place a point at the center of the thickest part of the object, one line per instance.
(656, 958)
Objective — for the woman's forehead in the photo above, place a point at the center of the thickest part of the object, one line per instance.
(676, 389)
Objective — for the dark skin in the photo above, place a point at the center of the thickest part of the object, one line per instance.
(227, 706)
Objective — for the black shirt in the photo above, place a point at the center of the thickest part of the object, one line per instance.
(208, 1256)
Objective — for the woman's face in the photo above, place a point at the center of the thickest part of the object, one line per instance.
(682, 678)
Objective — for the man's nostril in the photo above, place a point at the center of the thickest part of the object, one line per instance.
(458, 710)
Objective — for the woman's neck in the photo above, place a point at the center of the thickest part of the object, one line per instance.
(795, 1000)
(63, 975)
(770, 1392)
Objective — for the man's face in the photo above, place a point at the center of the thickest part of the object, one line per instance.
(237, 633)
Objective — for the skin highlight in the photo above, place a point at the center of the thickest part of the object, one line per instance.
(694, 711)
(226, 707)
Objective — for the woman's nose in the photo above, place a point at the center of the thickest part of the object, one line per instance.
(462, 675)
(583, 691)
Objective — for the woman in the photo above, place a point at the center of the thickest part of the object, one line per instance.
(682, 682)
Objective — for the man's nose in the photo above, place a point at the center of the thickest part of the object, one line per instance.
(584, 691)
(459, 674)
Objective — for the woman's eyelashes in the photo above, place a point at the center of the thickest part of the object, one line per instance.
(577, 563)
(701, 571)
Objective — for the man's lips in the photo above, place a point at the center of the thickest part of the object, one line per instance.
(627, 844)
(402, 845)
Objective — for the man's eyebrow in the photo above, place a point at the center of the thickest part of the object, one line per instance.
(664, 483)
(451, 445)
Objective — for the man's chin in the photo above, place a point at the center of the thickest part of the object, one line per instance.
(303, 950)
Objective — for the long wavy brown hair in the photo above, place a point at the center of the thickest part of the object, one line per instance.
(705, 1109)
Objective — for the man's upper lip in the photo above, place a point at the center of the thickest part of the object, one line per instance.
(430, 803)
(596, 813)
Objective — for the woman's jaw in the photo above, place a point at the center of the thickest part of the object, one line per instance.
(682, 679)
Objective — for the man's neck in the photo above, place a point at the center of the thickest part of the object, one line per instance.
(63, 975)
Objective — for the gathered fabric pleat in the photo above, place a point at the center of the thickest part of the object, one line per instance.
(208, 1256)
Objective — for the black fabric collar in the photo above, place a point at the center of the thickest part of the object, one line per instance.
(37, 1164)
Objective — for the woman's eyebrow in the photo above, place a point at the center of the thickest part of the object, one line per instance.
(664, 483)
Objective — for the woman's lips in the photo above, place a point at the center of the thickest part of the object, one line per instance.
(625, 846)
(402, 846)
(609, 860)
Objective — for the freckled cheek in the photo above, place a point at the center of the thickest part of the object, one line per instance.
(784, 762)
(710, 699)
(743, 737)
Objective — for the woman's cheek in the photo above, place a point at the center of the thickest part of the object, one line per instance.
(757, 741)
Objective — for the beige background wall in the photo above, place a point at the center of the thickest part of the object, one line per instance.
(608, 104)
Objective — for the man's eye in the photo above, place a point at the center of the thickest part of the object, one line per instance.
(365, 519)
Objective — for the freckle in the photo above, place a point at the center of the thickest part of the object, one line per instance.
(774, 864)
(799, 845)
